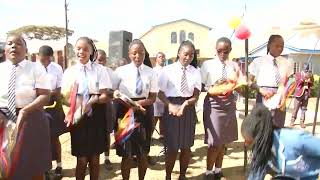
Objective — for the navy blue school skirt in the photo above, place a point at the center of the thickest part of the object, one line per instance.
(179, 130)
(139, 141)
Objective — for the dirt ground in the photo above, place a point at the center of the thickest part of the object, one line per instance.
(232, 166)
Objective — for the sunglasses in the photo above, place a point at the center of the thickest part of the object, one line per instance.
(219, 51)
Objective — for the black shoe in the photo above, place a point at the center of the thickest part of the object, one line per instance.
(218, 176)
(161, 139)
(107, 164)
(208, 177)
(151, 162)
(182, 177)
(46, 175)
(58, 172)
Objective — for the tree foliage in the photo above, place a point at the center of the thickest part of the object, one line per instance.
(41, 32)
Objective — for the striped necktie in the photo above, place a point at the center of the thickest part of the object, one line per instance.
(224, 71)
(184, 83)
(277, 73)
(138, 83)
(12, 94)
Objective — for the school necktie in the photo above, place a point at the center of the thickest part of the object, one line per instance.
(184, 83)
(224, 71)
(12, 94)
(83, 82)
(138, 83)
(84, 88)
(277, 73)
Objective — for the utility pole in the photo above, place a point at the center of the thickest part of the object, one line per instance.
(66, 46)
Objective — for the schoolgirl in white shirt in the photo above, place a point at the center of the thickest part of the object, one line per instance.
(138, 81)
(88, 137)
(179, 89)
(268, 72)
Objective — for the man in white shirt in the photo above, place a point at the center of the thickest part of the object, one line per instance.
(102, 59)
(54, 114)
(158, 106)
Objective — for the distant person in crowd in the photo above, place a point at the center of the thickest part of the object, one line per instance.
(219, 110)
(54, 111)
(267, 73)
(88, 136)
(149, 124)
(122, 62)
(158, 106)
(2, 55)
(110, 110)
(304, 81)
(24, 90)
(282, 152)
(138, 82)
(179, 89)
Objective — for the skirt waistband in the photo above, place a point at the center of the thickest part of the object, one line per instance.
(137, 99)
(269, 87)
(181, 98)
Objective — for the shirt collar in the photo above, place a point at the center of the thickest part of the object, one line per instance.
(88, 65)
(158, 66)
(141, 67)
(22, 64)
(179, 65)
(50, 64)
(271, 57)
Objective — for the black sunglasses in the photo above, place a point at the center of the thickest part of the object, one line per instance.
(219, 51)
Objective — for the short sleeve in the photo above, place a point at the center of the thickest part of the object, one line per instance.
(198, 79)
(253, 67)
(104, 78)
(163, 80)
(42, 80)
(204, 73)
(59, 76)
(66, 82)
(117, 78)
(154, 82)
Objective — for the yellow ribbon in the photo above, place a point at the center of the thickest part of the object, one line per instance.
(51, 106)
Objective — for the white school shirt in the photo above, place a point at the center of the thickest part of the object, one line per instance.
(170, 80)
(157, 69)
(55, 74)
(29, 77)
(113, 78)
(211, 71)
(96, 74)
(265, 73)
(127, 76)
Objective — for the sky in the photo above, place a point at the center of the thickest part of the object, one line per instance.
(95, 18)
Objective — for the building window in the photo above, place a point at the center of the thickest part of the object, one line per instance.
(191, 36)
(182, 36)
(296, 67)
(173, 38)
